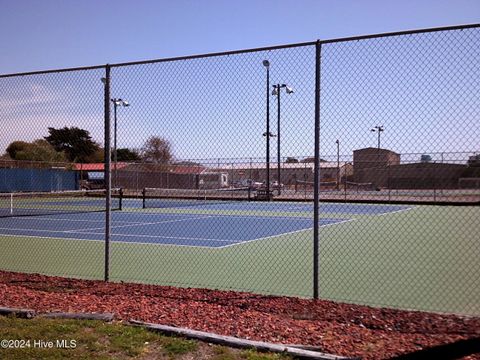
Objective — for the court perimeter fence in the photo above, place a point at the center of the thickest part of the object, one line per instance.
(371, 193)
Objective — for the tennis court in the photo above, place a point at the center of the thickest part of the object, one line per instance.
(213, 223)
(263, 247)
(78, 216)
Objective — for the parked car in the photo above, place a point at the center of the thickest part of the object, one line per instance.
(275, 185)
(95, 180)
(252, 184)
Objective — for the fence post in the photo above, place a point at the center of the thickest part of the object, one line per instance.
(316, 180)
(107, 177)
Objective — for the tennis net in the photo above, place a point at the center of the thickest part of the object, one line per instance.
(176, 198)
(64, 202)
(309, 185)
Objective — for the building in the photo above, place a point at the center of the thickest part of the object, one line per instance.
(369, 165)
(382, 168)
(291, 173)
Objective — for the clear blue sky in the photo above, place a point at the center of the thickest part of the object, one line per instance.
(45, 34)
(424, 90)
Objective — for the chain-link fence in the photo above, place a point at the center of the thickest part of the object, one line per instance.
(345, 169)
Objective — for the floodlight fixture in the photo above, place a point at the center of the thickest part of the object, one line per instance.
(120, 102)
(378, 129)
(276, 88)
(269, 134)
(276, 92)
(116, 103)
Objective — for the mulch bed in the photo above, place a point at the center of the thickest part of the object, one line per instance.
(337, 328)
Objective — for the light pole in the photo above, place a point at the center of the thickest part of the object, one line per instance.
(378, 129)
(267, 134)
(276, 92)
(338, 164)
(116, 103)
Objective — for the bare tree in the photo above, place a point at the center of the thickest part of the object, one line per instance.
(157, 150)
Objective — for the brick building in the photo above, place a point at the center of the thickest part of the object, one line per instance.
(366, 160)
(383, 169)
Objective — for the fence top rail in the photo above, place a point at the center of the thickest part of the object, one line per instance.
(236, 52)
(41, 72)
(188, 57)
(400, 33)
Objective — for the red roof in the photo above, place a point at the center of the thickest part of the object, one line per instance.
(97, 166)
(187, 169)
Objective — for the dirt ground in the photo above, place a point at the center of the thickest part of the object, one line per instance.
(336, 328)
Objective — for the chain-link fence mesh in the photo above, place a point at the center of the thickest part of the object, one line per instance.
(199, 126)
(213, 167)
(51, 124)
(405, 111)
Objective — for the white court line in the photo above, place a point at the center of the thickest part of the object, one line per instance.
(162, 237)
(125, 235)
(30, 230)
(198, 218)
(64, 220)
(398, 211)
(234, 242)
(224, 215)
(288, 233)
(143, 224)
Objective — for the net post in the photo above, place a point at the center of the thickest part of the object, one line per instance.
(316, 182)
(107, 169)
(120, 199)
(144, 196)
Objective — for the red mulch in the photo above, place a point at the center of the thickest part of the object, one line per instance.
(338, 328)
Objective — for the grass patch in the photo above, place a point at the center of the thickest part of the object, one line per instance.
(89, 339)
(176, 346)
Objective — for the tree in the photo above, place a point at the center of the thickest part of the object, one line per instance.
(97, 157)
(75, 142)
(16, 147)
(425, 158)
(38, 150)
(474, 161)
(157, 150)
(125, 154)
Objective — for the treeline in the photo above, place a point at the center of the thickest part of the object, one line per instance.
(72, 144)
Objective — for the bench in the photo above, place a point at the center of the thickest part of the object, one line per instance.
(263, 194)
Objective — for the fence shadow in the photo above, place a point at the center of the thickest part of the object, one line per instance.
(456, 350)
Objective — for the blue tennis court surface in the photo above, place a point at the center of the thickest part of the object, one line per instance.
(183, 229)
(293, 207)
(168, 229)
